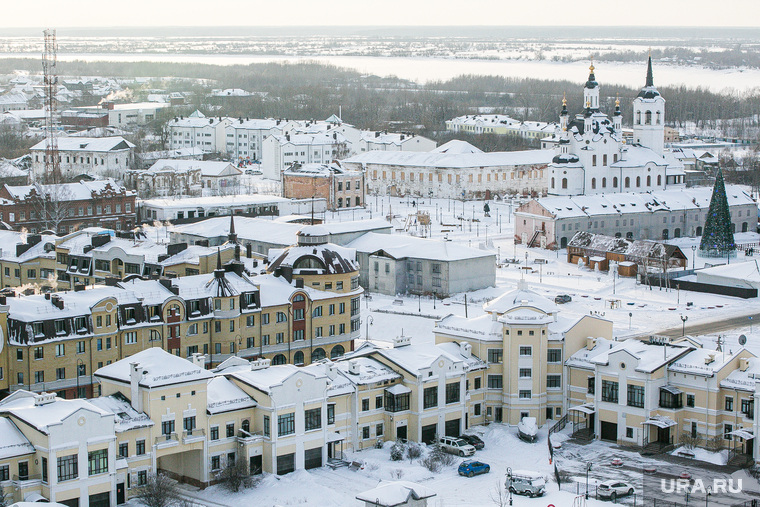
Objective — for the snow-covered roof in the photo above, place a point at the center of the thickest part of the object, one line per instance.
(224, 396)
(453, 160)
(520, 297)
(210, 201)
(747, 272)
(403, 246)
(650, 356)
(9, 239)
(369, 370)
(483, 327)
(455, 350)
(22, 406)
(69, 191)
(702, 361)
(37, 307)
(327, 138)
(391, 494)
(92, 144)
(12, 441)
(582, 206)
(158, 367)
(416, 357)
(193, 253)
(319, 170)
(245, 227)
(266, 379)
(207, 167)
(125, 417)
(456, 147)
(638, 156)
(743, 380)
(197, 120)
(335, 259)
(631, 249)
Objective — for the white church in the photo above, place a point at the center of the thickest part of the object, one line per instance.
(592, 156)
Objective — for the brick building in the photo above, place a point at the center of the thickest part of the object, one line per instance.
(68, 207)
(341, 188)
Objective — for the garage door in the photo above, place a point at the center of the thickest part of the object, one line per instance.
(452, 428)
(312, 458)
(286, 463)
(609, 431)
(100, 500)
(428, 433)
(74, 502)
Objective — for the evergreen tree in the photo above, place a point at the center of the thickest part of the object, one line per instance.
(718, 238)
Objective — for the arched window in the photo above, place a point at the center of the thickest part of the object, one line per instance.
(593, 183)
(337, 351)
(298, 358)
(604, 182)
(629, 235)
(340, 202)
(658, 117)
(618, 235)
(627, 182)
(745, 227)
(318, 354)
(699, 231)
(552, 181)
(677, 233)
(638, 117)
(659, 180)
(279, 359)
(563, 242)
(246, 426)
(638, 181)
(564, 182)
(665, 234)
(648, 118)
(649, 181)
(614, 182)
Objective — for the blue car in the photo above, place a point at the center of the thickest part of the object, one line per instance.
(471, 468)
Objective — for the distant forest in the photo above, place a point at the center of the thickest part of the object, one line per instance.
(316, 90)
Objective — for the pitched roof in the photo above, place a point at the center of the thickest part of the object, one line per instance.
(96, 144)
(159, 368)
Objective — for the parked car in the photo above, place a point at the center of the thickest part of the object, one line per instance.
(613, 489)
(524, 482)
(474, 441)
(471, 468)
(527, 429)
(456, 446)
(562, 299)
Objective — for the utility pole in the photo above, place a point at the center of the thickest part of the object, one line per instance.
(49, 61)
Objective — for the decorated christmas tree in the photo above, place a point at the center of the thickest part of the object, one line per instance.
(718, 237)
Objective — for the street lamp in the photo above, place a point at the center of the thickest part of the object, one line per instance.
(370, 321)
(630, 317)
(684, 318)
(707, 495)
(509, 488)
(419, 302)
(588, 469)
(434, 294)
(693, 256)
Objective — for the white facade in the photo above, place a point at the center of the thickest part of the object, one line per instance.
(95, 156)
(282, 151)
(198, 131)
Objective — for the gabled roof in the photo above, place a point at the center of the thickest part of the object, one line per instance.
(95, 144)
(224, 396)
(398, 246)
(22, 406)
(158, 367)
(12, 442)
(266, 379)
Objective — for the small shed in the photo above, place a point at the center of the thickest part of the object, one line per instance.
(393, 493)
(627, 268)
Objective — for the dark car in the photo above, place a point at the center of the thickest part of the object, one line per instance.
(474, 441)
(471, 468)
(562, 298)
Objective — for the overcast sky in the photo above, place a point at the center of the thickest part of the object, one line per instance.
(102, 13)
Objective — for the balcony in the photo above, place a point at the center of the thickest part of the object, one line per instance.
(21, 481)
(247, 437)
(167, 440)
(194, 435)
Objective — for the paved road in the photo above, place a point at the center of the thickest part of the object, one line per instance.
(714, 326)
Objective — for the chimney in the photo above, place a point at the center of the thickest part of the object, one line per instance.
(590, 343)
(710, 358)
(330, 370)
(33, 239)
(259, 364)
(743, 363)
(248, 250)
(401, 341)
(57, 301)
(79, 287)
(44, 399)
(465, 349)
(353, 367)
(135, 376)
(111, 281)
(199, 360)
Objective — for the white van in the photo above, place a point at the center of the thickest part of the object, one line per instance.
(457, 446)
(525, 482)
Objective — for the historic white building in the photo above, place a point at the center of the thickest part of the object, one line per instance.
(198, 131)
(592, 157)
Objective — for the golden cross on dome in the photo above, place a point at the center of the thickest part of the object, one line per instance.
(564, 99)
(617, 101)
(591, 68)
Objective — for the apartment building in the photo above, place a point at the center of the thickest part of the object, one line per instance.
(339, 187)
(68, 207)
(56, 341)
(100, 157)
(27, 261)
(197, 131)
(393, 141)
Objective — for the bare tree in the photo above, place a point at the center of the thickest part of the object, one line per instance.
(4, 500)
(52, 204)
(235, 475)
(159, 491)
(500, 495)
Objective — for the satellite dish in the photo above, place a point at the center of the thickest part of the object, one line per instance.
(742, 340)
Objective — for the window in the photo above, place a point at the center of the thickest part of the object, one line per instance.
(68, 468)
(130, 338)
(39, 376)
(167, 427)
(230, 429)
(396, 403)
(553, 381)
(81, 370)
(524, 394)
(689, 400)
(609, 391)
(495, 355)
(188, 424)
(60, 349)
(636, 396)
(216, 462)
(591, 385)
(281, 317)
(430, 397)
(266, 426)
(214, 433)
(378, 402)
(331, 414)
(313, 419)
(5, 471)
(452, 392)
(365, 432)
(365, 404)
(286, 424)
(525, 373)
(38, 353)
(250, 320)
(729, 403)
(379, 430)
(495, 382)
(97, 462)
(628, 430)
(748, 408)
(525, 351)
(727, 429)
(554, 355)
(60, 373)
(477, 382)
(124, 450)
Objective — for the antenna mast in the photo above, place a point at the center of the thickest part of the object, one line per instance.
(49, 61)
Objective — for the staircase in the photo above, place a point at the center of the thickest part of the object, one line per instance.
(532, 241)
(335, 463)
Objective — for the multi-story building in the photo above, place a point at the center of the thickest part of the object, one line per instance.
(244, 139)
(198, 131)
(101, 157)
(123, 115)
(339, 187)
(27, 261)
(68, 207)
(499, 124)
(551, 222)
(454, 170)
(173, 177)
(393, 141)
(281, 151)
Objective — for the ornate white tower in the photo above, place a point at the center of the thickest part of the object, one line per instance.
(649, 115)
(591, 91)
(563, 116)
(617, 118)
